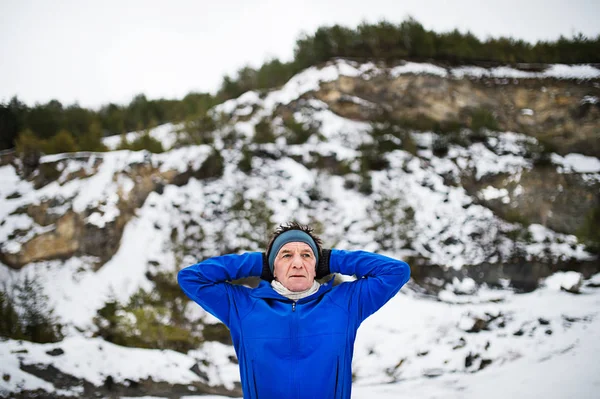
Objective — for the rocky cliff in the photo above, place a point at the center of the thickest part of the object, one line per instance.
(486, 180)
(563, 114)
(429, 113)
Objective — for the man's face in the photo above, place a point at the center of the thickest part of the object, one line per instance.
(295, 266)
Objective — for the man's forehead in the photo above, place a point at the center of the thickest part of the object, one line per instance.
(296, 246)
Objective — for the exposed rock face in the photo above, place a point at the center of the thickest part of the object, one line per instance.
(549, 109)
(42, 214)
(69, 234)
(61, 242)
(104, 242)
(558, 201)
(552, 110)
(113, 389)
(523, 275)
(7, 157)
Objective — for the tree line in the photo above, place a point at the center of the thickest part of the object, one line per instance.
(74, 128)
(409, 40)
(71, 128)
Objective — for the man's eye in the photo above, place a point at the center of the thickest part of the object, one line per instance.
(306, 255)
(286, 255)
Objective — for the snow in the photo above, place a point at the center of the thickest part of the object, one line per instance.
(99, 219)
(19, 380)
(93, 359)
(100, 188)
(400, 349)
(437, 328)
(590, 100)
(311, 79)
(507, 72)
(487, 162)
(360, 101)
(304, 82)
(418, 68)
(123, 274)
(527, 112)
(11, 183)
(228, 107)
(595, 279)
(431, 336)
(553, 71)
(308, 80)
(464, 286)
(490, 193)
(220, 370)
(336, 129)
(183, 159)
(572, 372)
(577, 163)
(166, 134)
(469, 71)
(76, 291)
(560, 71)
(547, 242)
(439, 212)
(566, 280)
(17, 222)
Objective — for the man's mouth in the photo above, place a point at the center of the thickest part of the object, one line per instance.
(296, 276)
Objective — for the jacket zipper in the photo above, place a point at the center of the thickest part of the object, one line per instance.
(337, 373)
(294, 346)
(254, 379)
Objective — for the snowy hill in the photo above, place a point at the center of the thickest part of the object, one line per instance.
(94, 229)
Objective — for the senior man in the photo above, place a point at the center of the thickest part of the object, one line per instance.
(294, 337)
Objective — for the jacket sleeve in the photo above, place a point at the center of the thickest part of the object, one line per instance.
(379, 278)
(207, 282)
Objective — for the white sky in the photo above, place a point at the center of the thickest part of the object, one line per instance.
(97, 52)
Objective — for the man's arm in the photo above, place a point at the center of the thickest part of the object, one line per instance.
(379, 278)
(206, 283)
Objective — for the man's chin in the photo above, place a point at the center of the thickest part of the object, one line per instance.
(298, 286)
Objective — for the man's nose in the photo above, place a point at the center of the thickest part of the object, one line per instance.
(297, 261)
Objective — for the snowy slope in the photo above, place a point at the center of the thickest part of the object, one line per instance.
(415, 346)
(429, 337)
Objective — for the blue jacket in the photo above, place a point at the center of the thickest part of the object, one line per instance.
(294, 350)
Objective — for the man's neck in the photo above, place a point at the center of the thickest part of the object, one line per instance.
(294, 296)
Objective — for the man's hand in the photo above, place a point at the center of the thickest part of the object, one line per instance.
(323, 266)
(266, 270)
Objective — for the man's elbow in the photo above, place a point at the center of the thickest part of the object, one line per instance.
(184, 276)
(403, 272)
(181, 276)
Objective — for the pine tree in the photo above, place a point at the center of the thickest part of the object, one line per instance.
(37, 319)
(9, 127)
(29, 148)
(92, 139)
(62, 142)
(10, 326)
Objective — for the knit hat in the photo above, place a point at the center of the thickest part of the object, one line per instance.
(291, 236)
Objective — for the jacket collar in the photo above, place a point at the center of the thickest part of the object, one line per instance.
(265, 291)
